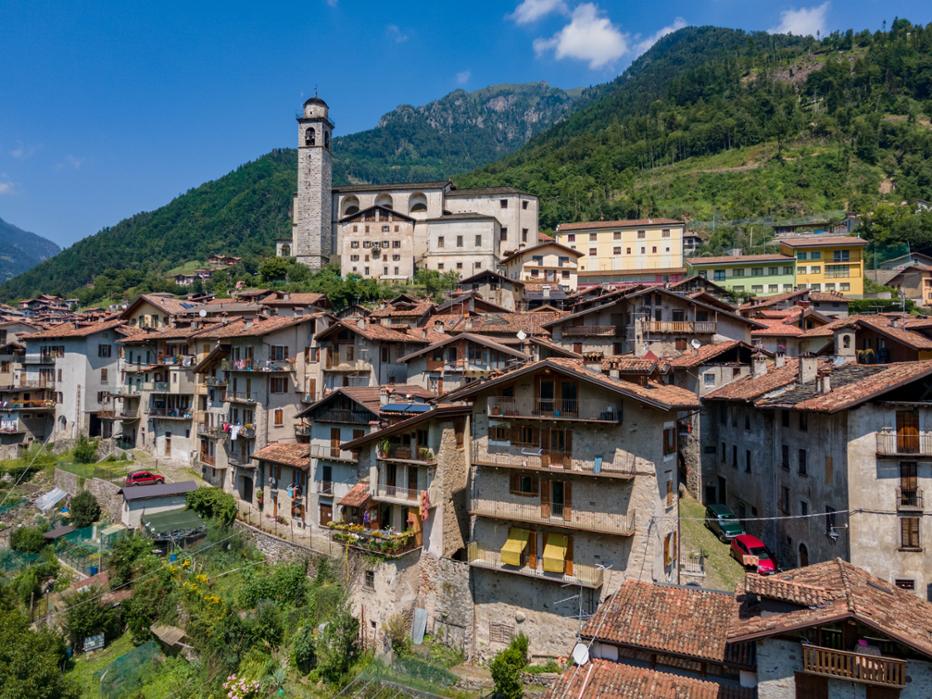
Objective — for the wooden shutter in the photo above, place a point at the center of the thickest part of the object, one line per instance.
(907, 431)
(829, 470)
(568, 448)
(514, 484)
(567, 501)
(568, 565)
(532, 549)
(544, 498)
(312, 388)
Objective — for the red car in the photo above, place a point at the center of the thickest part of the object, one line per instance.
(144, 478)
(751, 552)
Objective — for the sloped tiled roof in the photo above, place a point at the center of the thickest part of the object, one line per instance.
(739, 259)
(72, 330)
(625, 223)
(297, 455)
(670, 619)
(608, 680)
(822, 241)
(469, 337)
(255, 328)
(693, 358)
(357, 496)
(752, 387)
(865, 385)
(293, 299)
(531, 323)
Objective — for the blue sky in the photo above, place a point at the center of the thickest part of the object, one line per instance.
(110, 108)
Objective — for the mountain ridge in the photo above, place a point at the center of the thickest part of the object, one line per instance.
(21, 250)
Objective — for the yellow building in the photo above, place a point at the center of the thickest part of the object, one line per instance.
(828, 262)
(648, 250)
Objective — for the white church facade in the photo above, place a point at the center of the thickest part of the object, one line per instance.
(387, 231)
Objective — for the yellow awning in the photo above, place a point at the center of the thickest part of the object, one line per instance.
(514, 546)
(555, 553)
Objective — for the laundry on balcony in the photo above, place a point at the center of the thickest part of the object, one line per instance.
(555, 553)
(514, 546)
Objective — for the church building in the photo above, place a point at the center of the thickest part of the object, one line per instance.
(388, 231)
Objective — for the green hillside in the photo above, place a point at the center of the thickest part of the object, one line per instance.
(243, 212)
(718, 124)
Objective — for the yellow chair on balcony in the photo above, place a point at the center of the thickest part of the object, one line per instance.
(514, 546)
(555, 553)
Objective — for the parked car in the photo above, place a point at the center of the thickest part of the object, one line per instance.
(144, 478)
(751, 552)
(722, 522)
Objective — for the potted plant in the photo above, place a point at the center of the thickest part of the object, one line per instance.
(385, 448)
(425, 453)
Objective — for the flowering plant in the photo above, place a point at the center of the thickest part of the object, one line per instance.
(237, 688)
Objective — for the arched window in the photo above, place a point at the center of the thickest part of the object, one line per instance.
(310, 137)
(350, 206)
(286, 250)
(803, 556)
(384, 200)
(417, 203)
(846, 341)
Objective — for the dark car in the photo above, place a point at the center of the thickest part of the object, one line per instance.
(751, 552)
(144, 478)
(722, 522)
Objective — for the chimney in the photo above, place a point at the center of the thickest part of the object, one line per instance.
(779, 360)
(825, 381)
(758, 364)
(438, 326)
(361, 322)
(808, 366)
(383, 396)
(467, 325)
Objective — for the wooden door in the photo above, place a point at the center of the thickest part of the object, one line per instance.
(312, 388)
(544, 498)
(568, 564)
(874, 692)
(907, 431)
(546, 394)
(412, 480)
(567, 501)
(334, 441)
(532, 549)
(326, 514)
(811, 686)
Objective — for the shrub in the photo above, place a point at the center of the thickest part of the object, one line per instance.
(86, 616)
(506, 668)
(126, 553)
(213, 503)
(396, 630)
(84, 509)
(336, 646)
(27, 539)
(282, 582)
(265, 626)
(305, 657)
(85, 451)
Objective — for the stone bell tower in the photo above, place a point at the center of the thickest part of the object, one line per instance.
(311, 238)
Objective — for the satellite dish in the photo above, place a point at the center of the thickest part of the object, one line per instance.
(581, 654)
(522, 335)
(202, 313)
(695, 344)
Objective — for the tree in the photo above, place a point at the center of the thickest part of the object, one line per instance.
(303, 652)
(127, 551)
(31, 662)
(28, 539)
(506, 668)
(85, 451)
(213, 503)
(336, 646)
(84, 509)
(87, 616)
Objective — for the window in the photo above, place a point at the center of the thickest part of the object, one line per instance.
(905, 583)
(788, 269)
(592, 252)
(654, 249)
(641, 235)
(757, 288)
(440, 266)
(524, 204)
(828, 470)
(459, 241)
(785, 500)
(757, 271)
(386, 228)
(665, 233)
(718, 275)
(370, 579)
(841, 256)
(803, 508)
(747, 421)
(524, 235)
(844, 286)
(104, 350)
(440, 241)
(815, 269)
(773, 288)
(785, 457)
(734, 456)
(279, 417)
(773, 271)
(723, 454)
(459, 265)
(354, 243)
(815, 255)
(571, 237)
(803, 422)
(909, 533)
(616, 251)
(737, 272)
(593, 236)
(503, 203)
(278, 384)
(396, 243)
(524, 484)
(801, 255)
(829, 520)
(708, 379)
(103, 376)
(499, 433)
(669, 440)
(278, 353)
(747, 460)
(802, 467)
(396, 258)
(478, 241)
(616, 235)
(627, 251)
(503, 234)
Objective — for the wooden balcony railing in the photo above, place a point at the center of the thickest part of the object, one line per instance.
(570, 518)
(585, 575)
(697, 327)
(322, 451)
(337, 364)
(909, 498)
(208, 459)
(423, 456)
(618, 465)
(554, 409)
(591, 331)
(890, 443)
(857, 667)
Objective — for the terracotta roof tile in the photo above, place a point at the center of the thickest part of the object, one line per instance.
(357, 496)
(738, 259)
(71, 330)
(297, 455)
(679, 620)
(623, 223)
(694, 358)
(607, 680)
(821, 241)
(885, 378)
(751, 387)
(256, 328)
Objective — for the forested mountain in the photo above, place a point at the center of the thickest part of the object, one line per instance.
(243, 212)
(718, 124)
(21, 250)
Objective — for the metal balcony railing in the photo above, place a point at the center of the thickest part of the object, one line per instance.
(397, 492)
(554, 409)
(909, 498)
(27, 405)
(423, 456)
(215, 382)
(856, 667)
(585, 575)
(302, 429)
(11, 427)
(890, 443)
(355, 417)
(571, 518)
(241, 396)
(210, 430)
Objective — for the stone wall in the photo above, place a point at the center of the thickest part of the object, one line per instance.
(107, 493)
(445, 595)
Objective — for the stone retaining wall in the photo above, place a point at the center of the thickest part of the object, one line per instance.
(107, 493)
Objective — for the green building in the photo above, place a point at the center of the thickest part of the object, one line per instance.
(748, 275)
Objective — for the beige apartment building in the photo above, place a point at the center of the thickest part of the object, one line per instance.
(378, 243)
(545, 265)
(648, 250)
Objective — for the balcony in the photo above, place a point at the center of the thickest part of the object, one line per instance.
(302, 429)
(214, 382)
(595, 522)
(126, 391)
(260, 365)
(619, 465)
(472, 367)
(207, 459)
(890, 443)
(564, 409)
(590, 331)
(36, 384)
(323, 487)
(11, 427)
(210, 431)
(691, 327)
(337, 364)
(155, 386)
(28, 405)
(381, 542)
(352, 417)
(241, 397)
(856, 667)
(909, 498)
(171, 414)
(402, 496)
(584, 575)
(330, 453)
(128, 415)
(185, 360)
(246, 432)
(41, 358)
(421, 456)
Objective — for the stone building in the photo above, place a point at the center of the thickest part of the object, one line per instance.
(573, 486)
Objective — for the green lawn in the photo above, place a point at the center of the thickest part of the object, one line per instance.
(109, 470)
(85, 666)
(722, 572)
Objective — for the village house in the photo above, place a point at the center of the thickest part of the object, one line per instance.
(748, 275)
(494, 287)
(828, 262)
(561, 496)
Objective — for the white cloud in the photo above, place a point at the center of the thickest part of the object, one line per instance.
(331, 3)
(393, 31)
(532, 10)
(6, 186)
(70, 162)
(588, 37)
(22, 152)
(802, 22)
(644, 44)
(463, 76)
